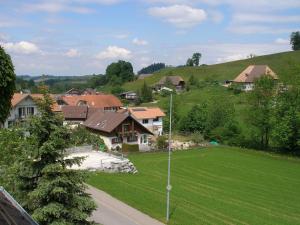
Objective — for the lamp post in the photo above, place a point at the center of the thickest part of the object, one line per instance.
(169, 187)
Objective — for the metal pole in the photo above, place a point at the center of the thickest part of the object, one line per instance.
(169, 187)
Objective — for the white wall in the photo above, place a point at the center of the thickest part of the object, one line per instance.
(14, 112)
(154, 126)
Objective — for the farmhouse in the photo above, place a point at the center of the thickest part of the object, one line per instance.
(129, 95)
(105, 102)
(253, 72)
(151, 118)
(175, 81)
(118, 128)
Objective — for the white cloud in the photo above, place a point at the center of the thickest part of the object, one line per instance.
(282, 41)
(72, 53)
(3, 37)
(22, 47)
(114, 52)
(139, 42)
(181, 16)
(55, 7)
(230, 58)
(264, 18)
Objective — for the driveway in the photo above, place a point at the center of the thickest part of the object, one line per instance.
(111, 211)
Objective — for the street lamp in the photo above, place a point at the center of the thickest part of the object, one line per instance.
(169, 187)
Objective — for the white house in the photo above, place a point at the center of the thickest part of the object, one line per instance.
(117, 128)
(151, 118)
(23, 106)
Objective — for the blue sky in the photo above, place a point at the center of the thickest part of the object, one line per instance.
(77, 37)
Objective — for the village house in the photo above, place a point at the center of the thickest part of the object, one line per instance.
(129, 95)
(118, 128)
(151, 118)
(175, 81)
(106, 102)
(253, 72)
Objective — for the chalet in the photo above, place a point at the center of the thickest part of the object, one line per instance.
(11, 212)
(151, 118)
(118, 128)
(105, 102)
(175, 81)
(129, 95)
(253, 72)
(23, 106)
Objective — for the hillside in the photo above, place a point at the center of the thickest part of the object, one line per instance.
(286, 65)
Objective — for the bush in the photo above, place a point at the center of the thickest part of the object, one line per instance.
(197, 137)
(130, 148)
(81, 135)
(161, 143)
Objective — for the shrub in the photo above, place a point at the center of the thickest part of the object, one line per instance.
(81, 135)
(197, 137)
(161, 143)
(130, 148)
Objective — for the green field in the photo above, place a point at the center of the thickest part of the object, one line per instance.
(219, 185)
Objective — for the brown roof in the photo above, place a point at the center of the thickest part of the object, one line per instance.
(74, 112)
(175, 80)
(95, 101)
(253, 72)
(17, 98)
(108, 121)
(145, 112)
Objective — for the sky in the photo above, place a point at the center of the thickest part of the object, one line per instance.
(79, 37)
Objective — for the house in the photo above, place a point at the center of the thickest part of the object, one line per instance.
(129, 95)
(151, 118)
(117, 128)
(73, 91)
(75, 115)
(175, 81)
(253, 72)
(105, 102)
(23, 106)
(11, 212)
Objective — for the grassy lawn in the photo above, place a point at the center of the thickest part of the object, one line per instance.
(219, 185)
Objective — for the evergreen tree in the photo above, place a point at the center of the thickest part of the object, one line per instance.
(146, 93)
(295, 40)
(7, 84)
(52, 192)
(152, 68)
(196, 58)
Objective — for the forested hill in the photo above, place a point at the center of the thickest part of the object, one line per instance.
(286, 65)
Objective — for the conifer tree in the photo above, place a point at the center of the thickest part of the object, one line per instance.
(52, 192)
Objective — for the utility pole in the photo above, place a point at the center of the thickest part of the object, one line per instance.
(169, 187)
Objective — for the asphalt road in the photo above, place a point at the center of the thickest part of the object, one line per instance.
(111, 211)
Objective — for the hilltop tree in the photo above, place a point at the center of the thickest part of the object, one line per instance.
(119, 72)
(189, 62)
(152, 68)
(295, 40)
(52, 192)
(7, 84)
(196, 58)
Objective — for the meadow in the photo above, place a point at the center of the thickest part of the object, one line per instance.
(215, 185)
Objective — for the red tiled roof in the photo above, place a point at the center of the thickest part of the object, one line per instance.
(146, 113)
(17, 98)
(95, 101)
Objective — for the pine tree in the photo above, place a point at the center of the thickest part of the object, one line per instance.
(52, 192)
(146, 93)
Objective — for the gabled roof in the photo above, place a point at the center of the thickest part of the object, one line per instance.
(17, 98)
(108, 121)
(74, 112)
(55, 106)
(11, 212)
(146, 113)
(175, 80)
(96, 101)
(253, 72)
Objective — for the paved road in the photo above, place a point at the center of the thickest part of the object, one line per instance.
(111, 211)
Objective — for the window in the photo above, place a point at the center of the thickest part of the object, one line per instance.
(22, 112)
(132, 138)
(125, 127)
(30, 111)
(145, 121)
(156, 119)
(144, 139)
(116, 140)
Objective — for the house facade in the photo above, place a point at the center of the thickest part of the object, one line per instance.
(117, 129)
(151, 118)
(175, 81)
(23, 106)
(129, 95)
